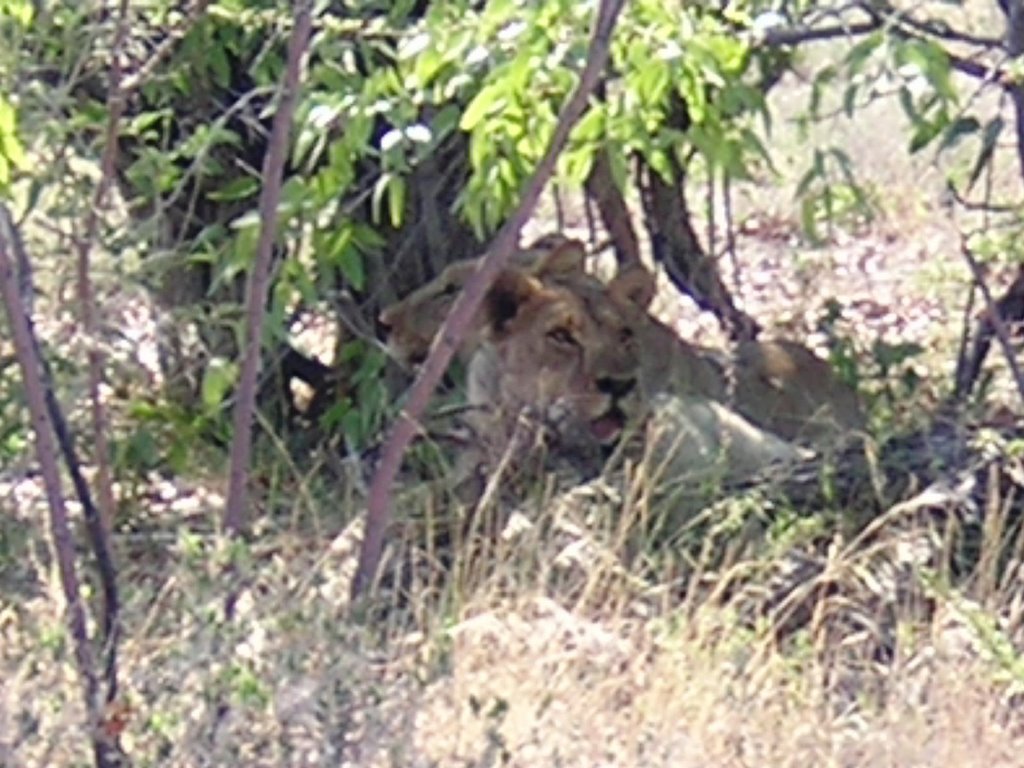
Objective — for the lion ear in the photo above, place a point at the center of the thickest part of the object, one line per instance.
(504, 301)
(565, 258)
(634, 285)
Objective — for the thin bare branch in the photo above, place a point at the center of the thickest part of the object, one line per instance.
(932, 27)
(99, 527)
(235, 512)
(66, 443)
(942, 30)
(899, 25)
(983, 206)
(602, 189)
(60, 530)
(994, 319)
(797, 35)
(378, 513)
(1014, 49)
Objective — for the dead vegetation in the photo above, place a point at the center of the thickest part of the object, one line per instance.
(569, 640)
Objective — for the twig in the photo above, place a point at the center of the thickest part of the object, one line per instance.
(994, 317)
(963, 378)
(259, 278)
(1014, 48)
(456, 324)
(797, 35)
(730, 234)
(600, 187)
(65, 441)
(984, 207)
(60, 530)
(100, 526)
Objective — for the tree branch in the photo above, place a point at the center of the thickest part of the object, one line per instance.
(456, 324)
(601, 187)
(993, 321)
(60, 529)
(99, 526)
(1014, 48)
(259, 277)
(906, 28)
(778, 36)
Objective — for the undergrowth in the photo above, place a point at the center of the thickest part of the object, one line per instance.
(559, 634)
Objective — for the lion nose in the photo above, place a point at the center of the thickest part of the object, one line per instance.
(617, 388)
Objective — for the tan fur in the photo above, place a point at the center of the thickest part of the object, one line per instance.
(779, 385)
(555, 340)
(556, 349)
(573, 354)
(412, 323)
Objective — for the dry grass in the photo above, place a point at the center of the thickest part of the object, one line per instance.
(542, 651)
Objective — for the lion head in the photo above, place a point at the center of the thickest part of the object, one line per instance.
(411, 324)
(561, 348)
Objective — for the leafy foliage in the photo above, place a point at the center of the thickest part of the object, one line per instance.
(464, 93)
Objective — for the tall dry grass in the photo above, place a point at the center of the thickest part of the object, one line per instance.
(570, 639)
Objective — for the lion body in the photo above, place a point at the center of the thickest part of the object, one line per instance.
(557, 343)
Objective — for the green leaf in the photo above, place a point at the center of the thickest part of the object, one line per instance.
(809, 220)
(341, 251)
(619, 165)
(660, 162)
(906, 101)
(822, 79)
(445, 121)
(11, 150)
(592, 125)
(140, 452)
(924, 135)
(19, 10)
(396, 200)
(849, 99)
(575, 164)
(962, 126)
(220, 67)
(377, 197)
(932, 63)
(490, 98)
(989, 137)
(481, 150)
(218, 379)
(239, 189)
(861, 52)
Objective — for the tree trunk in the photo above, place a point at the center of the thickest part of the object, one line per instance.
(676, 245)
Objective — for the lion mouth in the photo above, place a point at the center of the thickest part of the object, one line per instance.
(608, 428)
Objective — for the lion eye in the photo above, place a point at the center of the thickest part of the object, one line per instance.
(561, 336)
(450, 290)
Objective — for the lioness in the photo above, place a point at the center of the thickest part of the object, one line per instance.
(571, 353)
(780, 386)
(559, 350)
